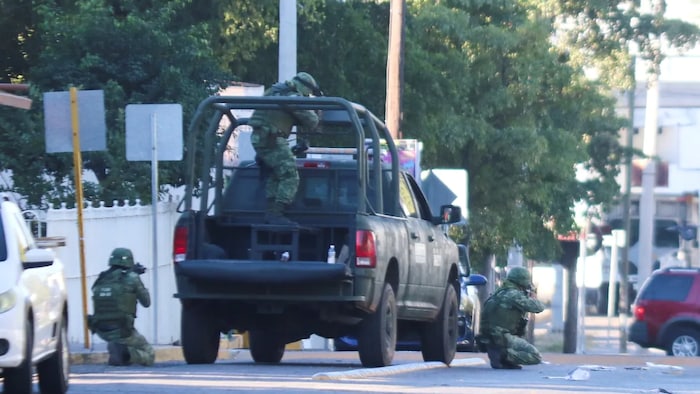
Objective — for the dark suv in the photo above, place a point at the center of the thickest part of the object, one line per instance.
(667, 312)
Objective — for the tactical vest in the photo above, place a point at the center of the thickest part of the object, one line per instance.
(500, 313)
(275, 122)
(114, 303)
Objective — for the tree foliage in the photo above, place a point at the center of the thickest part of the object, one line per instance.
(485, 89)
(135, 53)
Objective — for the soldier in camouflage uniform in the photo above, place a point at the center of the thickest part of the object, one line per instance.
(114, 296)
(503, 321)
(271, 128)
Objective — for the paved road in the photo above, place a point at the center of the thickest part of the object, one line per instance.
(303, 371)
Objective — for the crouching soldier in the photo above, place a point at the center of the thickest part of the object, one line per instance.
(503, 321)
(114, 297)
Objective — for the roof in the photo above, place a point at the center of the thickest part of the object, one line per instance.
(14, 100)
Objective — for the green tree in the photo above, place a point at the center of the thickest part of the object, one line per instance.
(135, 53)
(512, 111)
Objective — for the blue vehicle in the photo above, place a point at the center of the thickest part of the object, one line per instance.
(468, 320)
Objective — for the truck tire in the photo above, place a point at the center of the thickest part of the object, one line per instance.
(200, 337)
(439, 337)
(265, 347)
(377, 334)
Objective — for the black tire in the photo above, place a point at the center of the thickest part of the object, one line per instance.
(683, 342)
(376, 342)
(265, 347)
(439, 337)
(18, 380)
(54, 371)
(469, 337)
(200, 337)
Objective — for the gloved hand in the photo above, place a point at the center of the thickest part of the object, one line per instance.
(300, 148)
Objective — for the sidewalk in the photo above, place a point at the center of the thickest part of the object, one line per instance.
(98, 354)
(602, 338)
(602, 335)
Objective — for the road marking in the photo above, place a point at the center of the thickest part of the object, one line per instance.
(394, 369)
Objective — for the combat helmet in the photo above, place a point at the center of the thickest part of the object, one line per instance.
(121, 257)
(520, 276)
(306, 85)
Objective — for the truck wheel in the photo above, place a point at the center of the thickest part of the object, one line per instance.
(19, 378)
(53, 371)
(200, 337)
(439, 339)
(683, 342)
(377, 335)
(265, 347)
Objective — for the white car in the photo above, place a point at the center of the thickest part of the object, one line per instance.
(33, 309)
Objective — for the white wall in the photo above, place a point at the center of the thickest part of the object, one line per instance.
(103, 230)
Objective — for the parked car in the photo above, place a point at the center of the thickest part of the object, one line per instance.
(667, 312)
(468, 316)
(33, 309)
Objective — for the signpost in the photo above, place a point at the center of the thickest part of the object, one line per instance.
(65, 114)
(154, 132)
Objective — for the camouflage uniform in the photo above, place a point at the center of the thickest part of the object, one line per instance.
(271, 128)
(114, 296)
(503, 321)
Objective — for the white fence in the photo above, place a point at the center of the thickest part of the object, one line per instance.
(104, 229)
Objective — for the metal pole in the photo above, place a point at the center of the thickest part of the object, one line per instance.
(154, 209)
(287, 62)
(624, 282)
(647, 204)
(78, 170)
(580, 329)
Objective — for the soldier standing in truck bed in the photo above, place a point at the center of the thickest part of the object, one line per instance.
(271, 128)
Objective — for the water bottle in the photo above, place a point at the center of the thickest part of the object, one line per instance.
(331, 254)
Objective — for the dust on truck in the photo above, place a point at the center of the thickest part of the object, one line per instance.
(395, 272)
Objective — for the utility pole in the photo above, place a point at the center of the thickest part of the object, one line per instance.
(624, 304)
(394, 67)
(647, 203)
(287, 62)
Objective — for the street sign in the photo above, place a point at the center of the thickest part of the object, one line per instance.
(148, 122)
(91, 121)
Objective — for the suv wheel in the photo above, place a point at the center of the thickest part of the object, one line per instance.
(19, 378)
(53, 372)
(683, 342)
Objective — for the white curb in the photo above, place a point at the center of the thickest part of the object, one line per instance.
(394, 369)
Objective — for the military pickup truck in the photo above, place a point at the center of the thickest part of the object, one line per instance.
(393, 271)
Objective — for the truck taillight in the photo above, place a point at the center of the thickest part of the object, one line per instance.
(180, 244)
(365, 250)
(639, 313)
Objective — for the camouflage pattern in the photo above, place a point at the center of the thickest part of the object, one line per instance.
(115, 294)
(501, 318)
(140, 351)
(271, 128)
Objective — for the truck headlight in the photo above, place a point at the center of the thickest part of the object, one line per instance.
(8, 300)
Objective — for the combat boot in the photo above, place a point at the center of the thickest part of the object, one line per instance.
(495, 355)
(499, 358)
(273, 214)
(118, 354)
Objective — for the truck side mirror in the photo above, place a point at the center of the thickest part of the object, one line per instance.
(450, 214)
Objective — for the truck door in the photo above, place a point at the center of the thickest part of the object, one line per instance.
(421, 283)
